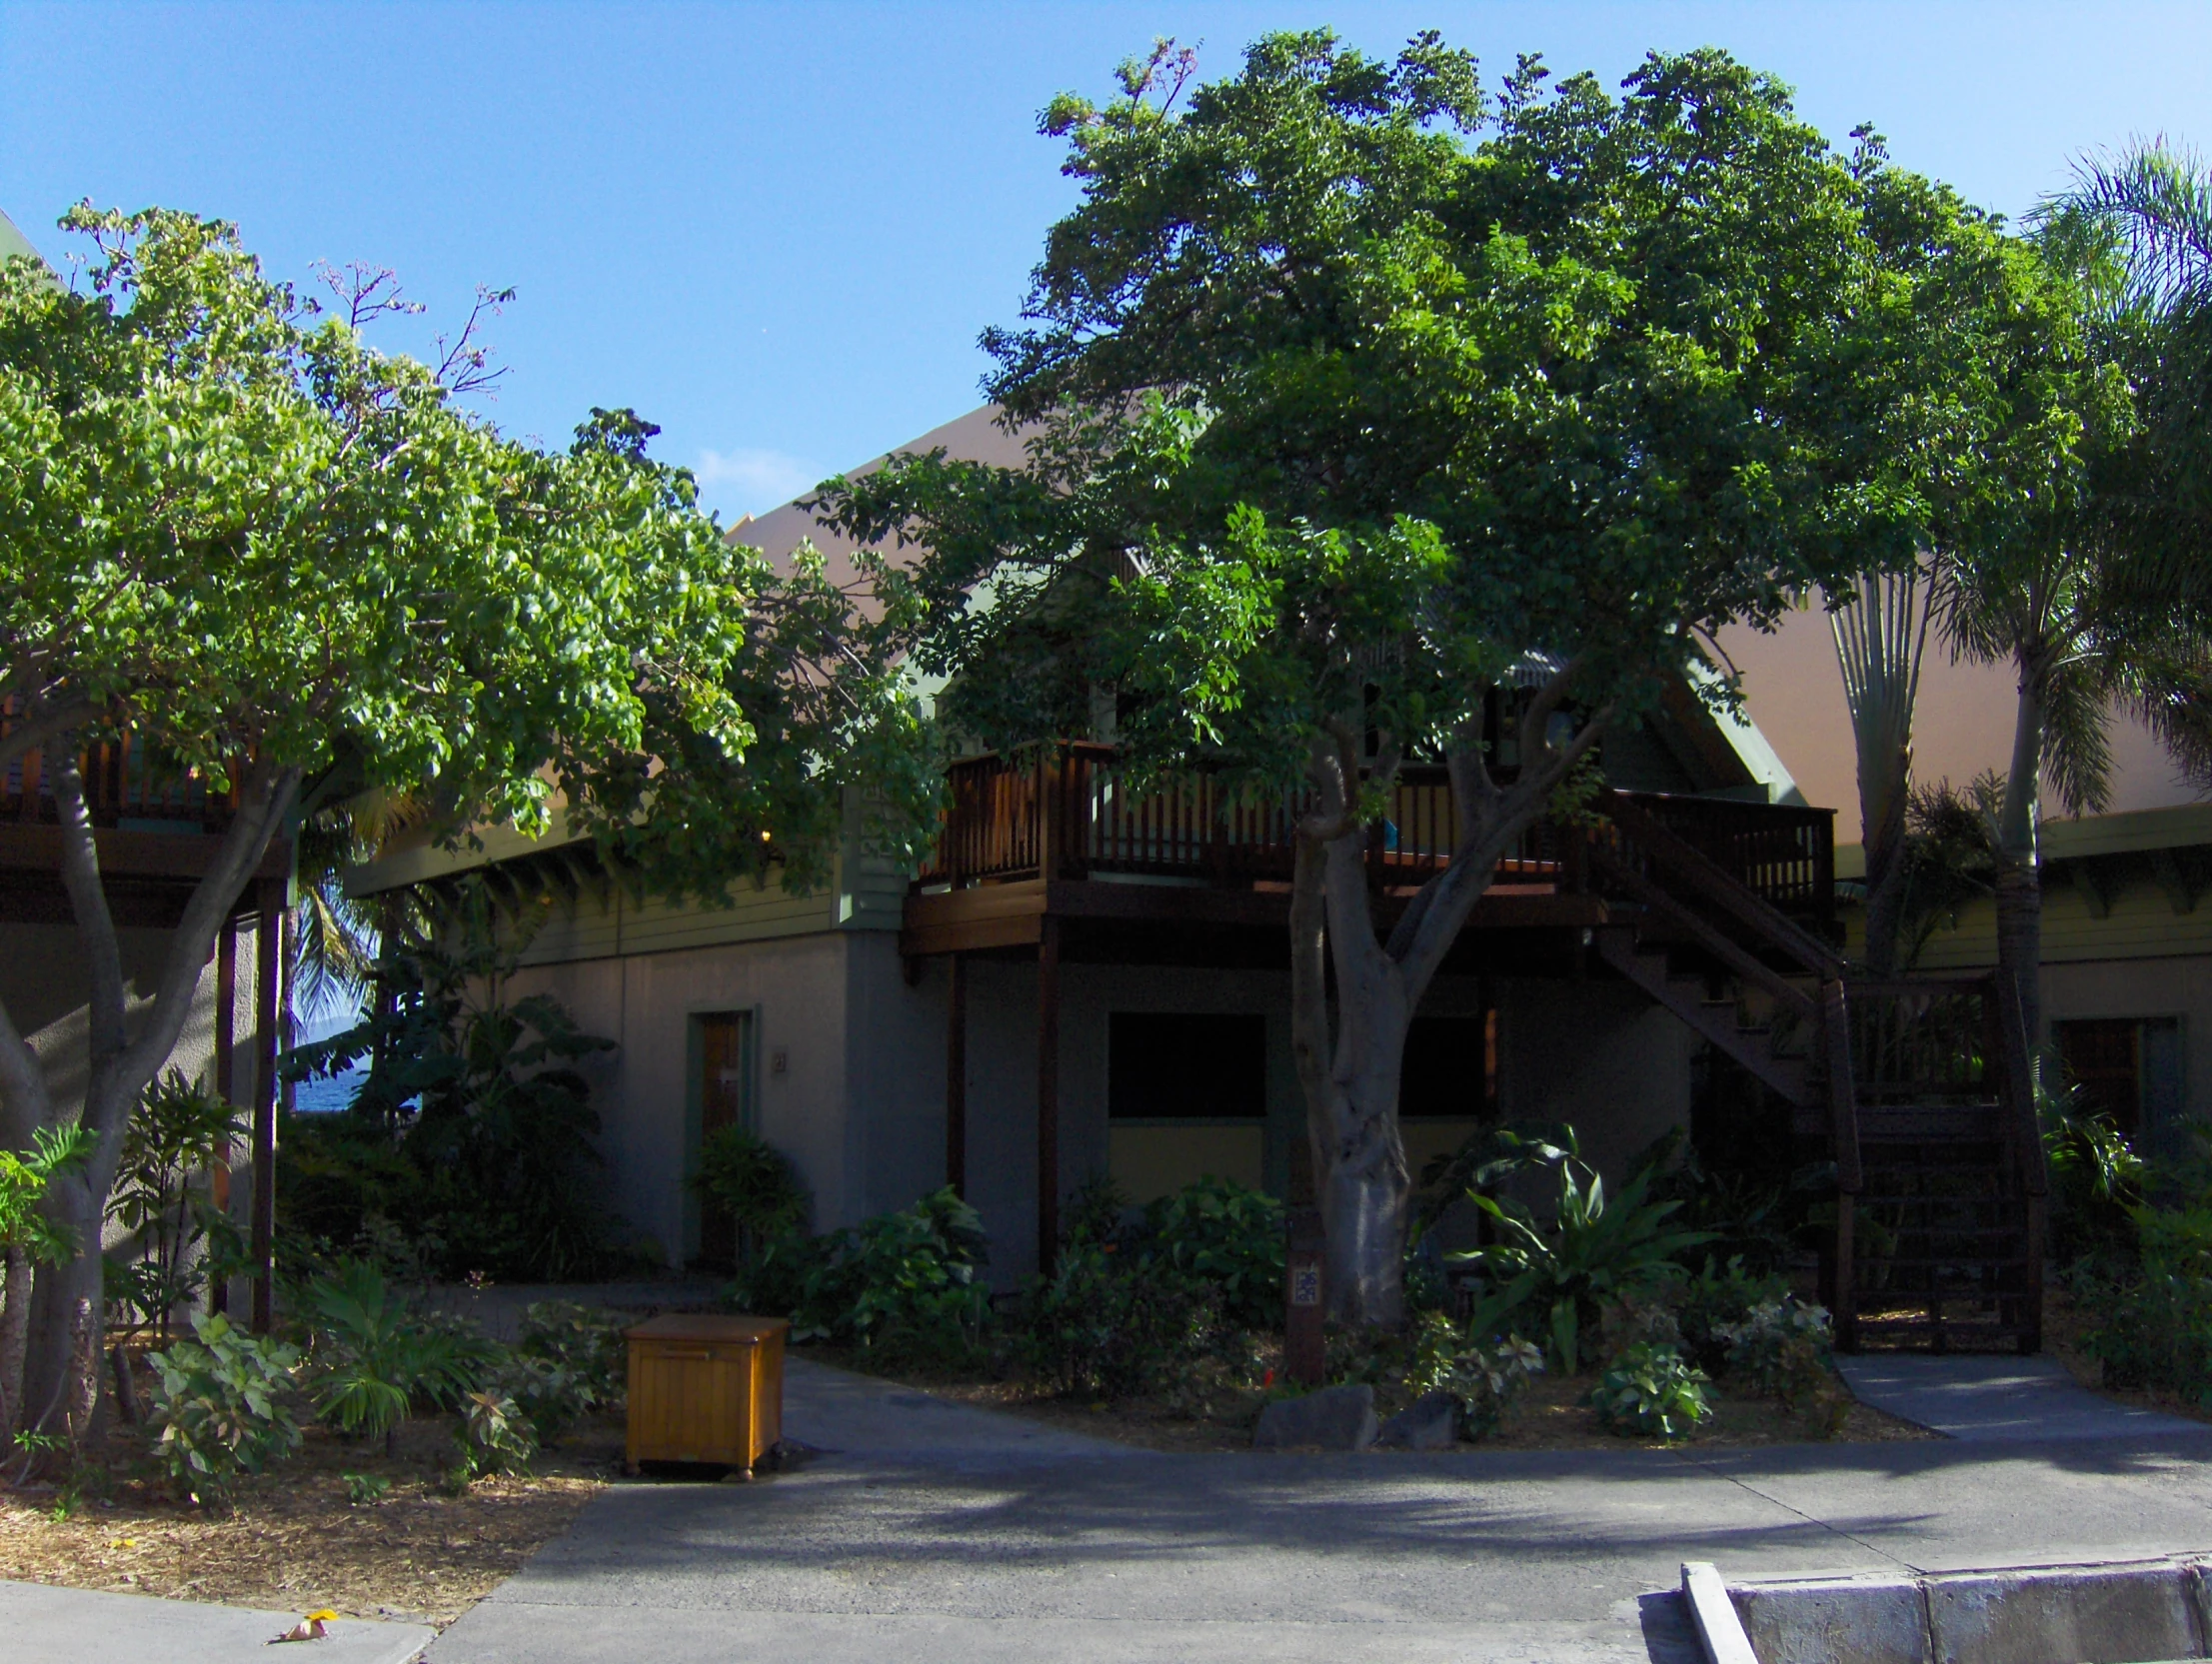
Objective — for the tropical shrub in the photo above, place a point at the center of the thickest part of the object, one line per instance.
(1718, 1297)
(2097, 1182)
(372, 1361)
(1649, 1391)
(1483, 1381)
(1111, 1324)
(1589, 1251)
(474, 1128)
(901, 1281)
(1786, 1348)
(1227, 1237)
(178, 1131)
(222, 1405)
(569, 1363)
(2152, 1324)
(493, 1437)
(755, 1186)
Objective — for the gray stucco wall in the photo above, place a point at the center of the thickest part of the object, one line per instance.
(859, 1103)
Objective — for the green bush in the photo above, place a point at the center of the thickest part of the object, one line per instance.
(1652, 1392)
(372, 1361)
(1711, 1303)
(221, 1403)
(1563, 1268)
(493, 1437)
(569, 1363)
(473, 1133)
(1227, 1237)
(1786, 1348)
(2152, 1325)
(1484, 1380)
(756, 1185)
(1110, 1323)
(2097, 1183)
(175, 1134)
(903, 1282)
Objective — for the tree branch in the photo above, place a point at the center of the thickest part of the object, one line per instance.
(88, 901)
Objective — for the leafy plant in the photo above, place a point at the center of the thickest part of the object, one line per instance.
(1484, 1380)
(179, 1132)
(1787, 1348)
(1587, 1252)
(2097, 1180)
(755, 1186)
(903, 1281)
(373, 1359)
(365, 1489)
(495, 1436)
(1228, 1237)
(1112, 1323)
(1650, 1392)
(1717, 1298)
(222, 1406)
(474, 1127)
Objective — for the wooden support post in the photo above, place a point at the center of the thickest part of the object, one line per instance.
(268, 967)
(226, 1081)
(1843, 1123)
(955, 1075)
(1047, 1093)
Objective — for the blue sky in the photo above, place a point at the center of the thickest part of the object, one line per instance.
(777, 229)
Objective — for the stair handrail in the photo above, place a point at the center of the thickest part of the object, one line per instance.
(1721, 888)
(1737, 957)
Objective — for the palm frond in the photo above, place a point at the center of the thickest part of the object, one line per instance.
(2158, 201)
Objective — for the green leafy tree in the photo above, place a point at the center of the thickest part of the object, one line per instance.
(296, 569)
(1371, 419)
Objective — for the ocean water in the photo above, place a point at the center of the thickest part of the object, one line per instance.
(334, 1092)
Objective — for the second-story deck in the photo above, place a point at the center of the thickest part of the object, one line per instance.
(1058, 832)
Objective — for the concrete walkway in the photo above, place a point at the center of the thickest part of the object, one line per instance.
(1984, 1399)
(81, 1626)
(943, 1535)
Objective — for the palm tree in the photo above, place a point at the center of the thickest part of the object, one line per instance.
(2077, 579)
(1881, 635)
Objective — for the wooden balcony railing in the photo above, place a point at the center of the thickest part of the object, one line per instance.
(123, 784)
(1063, 812)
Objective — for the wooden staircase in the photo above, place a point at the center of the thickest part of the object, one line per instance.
(1916, 1089)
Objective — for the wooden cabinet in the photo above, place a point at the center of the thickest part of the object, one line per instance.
(706, 1389)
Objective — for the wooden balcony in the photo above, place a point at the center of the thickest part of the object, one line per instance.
(156, 830)
(1056, 831)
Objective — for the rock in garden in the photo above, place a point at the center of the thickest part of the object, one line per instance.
(1336, 1418)
(1430, 1422)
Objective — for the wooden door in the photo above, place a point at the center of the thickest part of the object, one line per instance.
(724, 1099)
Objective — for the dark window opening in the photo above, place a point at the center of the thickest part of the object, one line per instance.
(1450, 1069)
(1181, 1066)
(2126, 1067)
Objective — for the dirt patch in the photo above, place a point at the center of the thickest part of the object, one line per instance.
(1549, 1416)
(292, 1541)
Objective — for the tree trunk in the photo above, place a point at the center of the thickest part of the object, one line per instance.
(15, 1330)
(2019, 877)
(66, 1312)
(1885, 880)
(126, 1050)
(1352, 1083)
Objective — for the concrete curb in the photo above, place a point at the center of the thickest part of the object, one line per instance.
(2136, 1610)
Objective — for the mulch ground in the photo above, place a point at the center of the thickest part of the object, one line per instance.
(1551, 1416)
(291, 1540)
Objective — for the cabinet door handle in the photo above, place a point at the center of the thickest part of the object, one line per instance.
(687, 1357)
